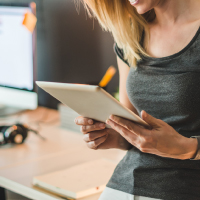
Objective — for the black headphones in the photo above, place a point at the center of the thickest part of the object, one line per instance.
(15, 134)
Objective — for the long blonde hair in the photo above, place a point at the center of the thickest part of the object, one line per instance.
(125, 24)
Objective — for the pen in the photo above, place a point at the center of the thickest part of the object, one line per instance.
(108, 76)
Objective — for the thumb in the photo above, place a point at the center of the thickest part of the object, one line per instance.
(152, 121)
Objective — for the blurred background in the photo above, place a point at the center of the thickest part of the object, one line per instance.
(71, 47)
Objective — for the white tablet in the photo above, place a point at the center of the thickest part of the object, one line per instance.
(89, 101)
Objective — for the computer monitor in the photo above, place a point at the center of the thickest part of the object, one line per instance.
(17, 59)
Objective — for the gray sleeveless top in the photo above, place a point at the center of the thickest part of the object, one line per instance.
(167, 88)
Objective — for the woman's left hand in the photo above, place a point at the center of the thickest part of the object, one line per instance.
(161, 140)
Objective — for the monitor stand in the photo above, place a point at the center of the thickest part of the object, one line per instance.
(8, 110)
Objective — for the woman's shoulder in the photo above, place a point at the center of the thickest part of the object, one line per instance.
(120, 53)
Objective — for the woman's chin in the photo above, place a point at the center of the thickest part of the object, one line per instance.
(141, 11)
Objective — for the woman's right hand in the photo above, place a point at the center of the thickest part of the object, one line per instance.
(97, 136)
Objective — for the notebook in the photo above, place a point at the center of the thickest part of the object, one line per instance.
(78, 181)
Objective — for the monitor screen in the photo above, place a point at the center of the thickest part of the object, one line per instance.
(16, 51)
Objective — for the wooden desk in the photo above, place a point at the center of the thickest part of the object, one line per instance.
(62, 149)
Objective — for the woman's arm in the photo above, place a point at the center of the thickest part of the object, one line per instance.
(123, 74)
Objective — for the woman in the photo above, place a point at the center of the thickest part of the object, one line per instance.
(158, 54)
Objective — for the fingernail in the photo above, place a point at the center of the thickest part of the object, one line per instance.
(101, 125)
(111, 117)
(75, 120)
(90, 121)
(145, 114)
(107, 121)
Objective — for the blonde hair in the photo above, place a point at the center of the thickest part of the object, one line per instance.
(125, 24)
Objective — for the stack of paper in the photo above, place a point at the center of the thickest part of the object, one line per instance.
(78, 181)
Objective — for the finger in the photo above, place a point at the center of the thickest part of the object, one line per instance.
(94, 144)
(94, 135)
(83, 121)
(97, 126)
(131, 126)
(152, 121)
(131, 137)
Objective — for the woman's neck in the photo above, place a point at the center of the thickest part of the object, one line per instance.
(171, 12)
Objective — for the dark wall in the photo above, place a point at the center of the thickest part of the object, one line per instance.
(70, 47)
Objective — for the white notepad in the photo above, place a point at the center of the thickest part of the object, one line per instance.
(78, 181)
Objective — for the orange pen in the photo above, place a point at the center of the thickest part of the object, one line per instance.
(108, 76)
